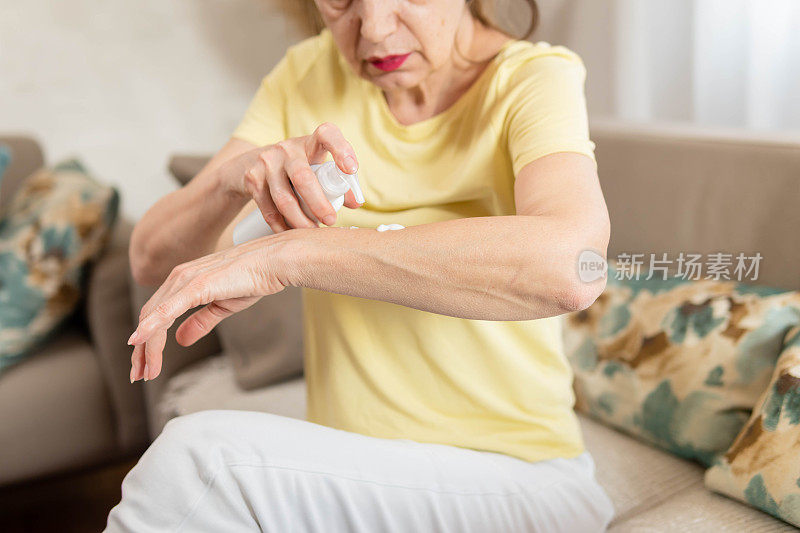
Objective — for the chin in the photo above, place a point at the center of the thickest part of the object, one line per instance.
(398, 79)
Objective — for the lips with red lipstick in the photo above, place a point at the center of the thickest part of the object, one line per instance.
(388, 63)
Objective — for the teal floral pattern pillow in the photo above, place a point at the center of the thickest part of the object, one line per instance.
(56, 223)
(678, 363)
(762, 467)
(5, 159)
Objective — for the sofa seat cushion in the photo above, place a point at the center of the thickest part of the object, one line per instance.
(635, 475)
(55, 411)
(211, 384)
(656, 491)
(699, 509)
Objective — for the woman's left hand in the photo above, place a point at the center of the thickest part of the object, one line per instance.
(224, 282)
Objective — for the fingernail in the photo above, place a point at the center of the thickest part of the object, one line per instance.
(146, 372)
(329, 220)
(131, 338)
(349, 164)
(132, 370)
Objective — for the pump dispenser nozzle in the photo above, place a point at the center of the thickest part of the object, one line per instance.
(352, 181)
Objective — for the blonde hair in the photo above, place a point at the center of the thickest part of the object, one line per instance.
(485, 11)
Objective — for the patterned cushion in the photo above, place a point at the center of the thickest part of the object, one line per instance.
(5, 159)
(762, 467)
(56, 223)
(678, 363)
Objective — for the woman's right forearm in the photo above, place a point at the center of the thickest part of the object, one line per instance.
(187, 223)
(182, 226)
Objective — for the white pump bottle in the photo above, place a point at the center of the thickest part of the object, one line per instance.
(335, 184)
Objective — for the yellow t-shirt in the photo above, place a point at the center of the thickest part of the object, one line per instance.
(390, 371)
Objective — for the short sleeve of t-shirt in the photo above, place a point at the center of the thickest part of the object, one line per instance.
(548, 112)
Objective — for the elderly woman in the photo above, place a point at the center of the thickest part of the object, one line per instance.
(439, 395)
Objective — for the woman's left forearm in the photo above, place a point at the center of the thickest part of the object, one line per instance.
(486, 268)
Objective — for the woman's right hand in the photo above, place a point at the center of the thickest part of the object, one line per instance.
(270, 175)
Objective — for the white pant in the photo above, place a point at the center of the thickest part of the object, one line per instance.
(229, 471)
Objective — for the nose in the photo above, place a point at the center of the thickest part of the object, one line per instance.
(378, 19)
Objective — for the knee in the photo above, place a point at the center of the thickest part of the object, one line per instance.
(191, 444)
(203, 430)
(202, 424)
(228, 436)
(214, 432)
(192, 424)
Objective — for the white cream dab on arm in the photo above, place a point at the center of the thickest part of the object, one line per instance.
(384, 227)
(387, 227)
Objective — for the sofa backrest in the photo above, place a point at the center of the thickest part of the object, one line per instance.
(26, 157)
(672, 190)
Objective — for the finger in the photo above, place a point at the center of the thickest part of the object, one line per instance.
(350, 200)
(329, 138)
(257, 187)
(177, 278)
(158, 311)
(142, 361)
(164, 315)
(137, 363)
(306, 184)
(308, 213)
(200, 323)
(281, 191)
(272, 216)
(153, 352)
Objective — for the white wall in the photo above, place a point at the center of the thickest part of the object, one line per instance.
(124, 83)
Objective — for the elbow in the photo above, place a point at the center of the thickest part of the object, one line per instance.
(568, 272)
(587, 272)
(576, 295)
(561, 290)
(144, 270)
(580, 275)
(143, 275)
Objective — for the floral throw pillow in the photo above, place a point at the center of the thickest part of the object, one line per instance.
(678, 363)
(5, 159)
(56, 223)
(762, 466)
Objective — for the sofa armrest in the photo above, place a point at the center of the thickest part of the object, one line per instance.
(176, 357)
(108, 314)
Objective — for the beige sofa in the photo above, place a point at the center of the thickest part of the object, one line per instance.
(668, 190)
(70, 404)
